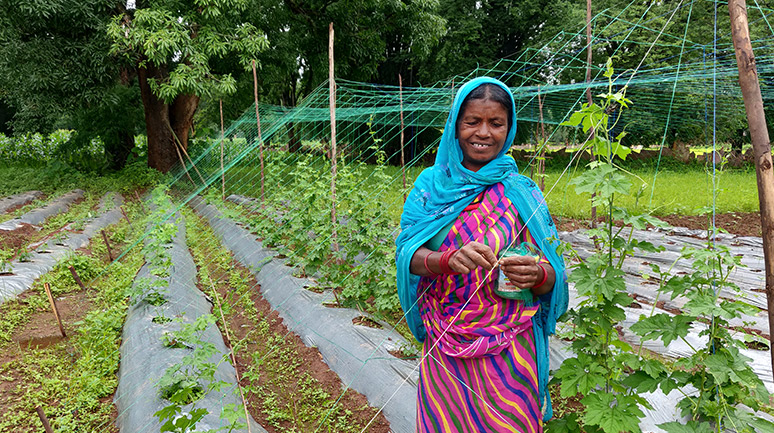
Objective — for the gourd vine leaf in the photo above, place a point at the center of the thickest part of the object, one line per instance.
(689, 427)
(613, 413)
(580, 374)
(663, 326)
(642, 382)
(565, 424)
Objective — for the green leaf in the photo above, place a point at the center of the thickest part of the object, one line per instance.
(642, 381)
(613, 413)
(565, 424)
(664, 327)
(579, 375)
(689, 427)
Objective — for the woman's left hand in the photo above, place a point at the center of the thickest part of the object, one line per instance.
(524, 272)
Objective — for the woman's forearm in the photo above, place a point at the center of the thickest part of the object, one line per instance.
(417, 266)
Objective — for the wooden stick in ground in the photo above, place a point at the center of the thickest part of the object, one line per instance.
(753, 105)
(258, 121)
(125, 215)
(588, 92)
(44, 420)
(332, 91)
(53, 307)
(77, 278)
(182, 162)
(107, 244)
(222, 137)
(402, 158)
(140, 201)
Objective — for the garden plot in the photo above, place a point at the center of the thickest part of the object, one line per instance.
(358, 354)
(36, 217)
(18, 200)
(152, 346)
(43, 259)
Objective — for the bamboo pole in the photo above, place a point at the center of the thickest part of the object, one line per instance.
(222, 137)
(402, 157)
(258, 121)
(53, 307)
(588, 93)
(753, 105)
(332, 91)
(140, 201)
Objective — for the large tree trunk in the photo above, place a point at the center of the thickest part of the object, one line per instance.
(164, 122)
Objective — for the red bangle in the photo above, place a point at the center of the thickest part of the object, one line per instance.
(444, 263)
(427, 268)
(545, 277)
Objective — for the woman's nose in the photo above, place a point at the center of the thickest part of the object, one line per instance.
(483, 130)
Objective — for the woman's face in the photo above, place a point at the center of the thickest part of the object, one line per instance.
(481, 131)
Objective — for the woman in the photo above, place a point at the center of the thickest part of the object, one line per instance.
(485, 358)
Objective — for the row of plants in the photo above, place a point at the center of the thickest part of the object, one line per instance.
(183, 383)
(71, 379)
(718, 388)
(282, 390)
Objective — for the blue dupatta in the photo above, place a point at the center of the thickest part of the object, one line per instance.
(442, 191)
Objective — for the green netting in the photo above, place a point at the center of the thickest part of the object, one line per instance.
(671, 86)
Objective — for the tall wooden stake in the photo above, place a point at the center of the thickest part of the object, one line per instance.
(53, 307)
(258, 121)
(402, 158)
(222, 137)
(332, 91)
(76, 277)
(588, 91)
(753, 105)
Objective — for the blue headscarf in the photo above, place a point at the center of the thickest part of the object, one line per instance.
(440, 194)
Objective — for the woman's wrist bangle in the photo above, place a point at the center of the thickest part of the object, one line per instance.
(427, 268)
(444, 263)
(545, 277)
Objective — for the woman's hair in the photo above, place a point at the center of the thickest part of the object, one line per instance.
(491, 92)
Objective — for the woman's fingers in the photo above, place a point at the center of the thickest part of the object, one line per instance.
(521, 271)
(471, 256)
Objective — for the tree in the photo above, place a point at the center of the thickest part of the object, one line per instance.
(177, 50)
(56, 72)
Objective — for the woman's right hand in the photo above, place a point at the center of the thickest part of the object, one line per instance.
(471, 256)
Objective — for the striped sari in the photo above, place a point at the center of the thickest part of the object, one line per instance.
(479, 371)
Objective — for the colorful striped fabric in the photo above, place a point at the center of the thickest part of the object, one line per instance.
(479, 373)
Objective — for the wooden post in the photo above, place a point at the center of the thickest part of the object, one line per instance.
(332, 91)
(140, 201)
(258, 121)
(753, 105)
(44, 420)
(107, 244)
(53, 307)
(402, 158)
(588, 92)
(222, 137)
(125, 215)
(77, 278)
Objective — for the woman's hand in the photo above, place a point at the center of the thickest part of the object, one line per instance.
(524, 272)
(471, 256)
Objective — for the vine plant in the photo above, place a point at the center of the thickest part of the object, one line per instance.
(720, 389)
(601, 369)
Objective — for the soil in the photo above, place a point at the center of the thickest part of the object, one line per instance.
(40, 332)
(738, 223)
(311, 360)
(12, 240)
